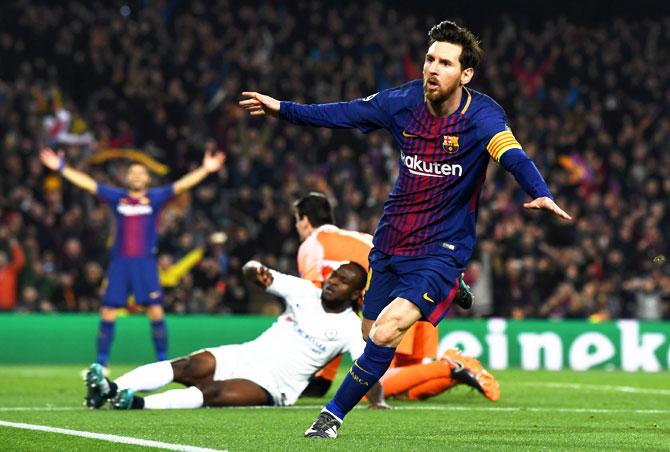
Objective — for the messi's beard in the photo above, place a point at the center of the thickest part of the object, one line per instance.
(439, 96)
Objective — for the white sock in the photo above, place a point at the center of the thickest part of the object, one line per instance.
(147, 378)
(174, 399)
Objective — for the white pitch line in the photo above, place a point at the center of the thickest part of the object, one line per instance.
(107, 437)
(608, 388)
(423, 407)
(38, 408)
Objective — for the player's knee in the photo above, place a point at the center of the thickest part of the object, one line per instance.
(155, 313)
(386, 332)
(186, 371)
(108, 314)
(212, 395)
(180, 370)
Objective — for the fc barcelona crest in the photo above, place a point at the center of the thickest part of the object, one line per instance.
(450, 144)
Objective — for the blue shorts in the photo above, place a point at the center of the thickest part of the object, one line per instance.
(430, 282)
(139, 276)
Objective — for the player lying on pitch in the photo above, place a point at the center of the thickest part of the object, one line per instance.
(273, 369)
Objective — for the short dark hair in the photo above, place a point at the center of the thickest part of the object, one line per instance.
(362, 272)
(316, 207)
(448, 31)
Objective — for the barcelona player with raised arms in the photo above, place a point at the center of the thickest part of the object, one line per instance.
(133, 268)
(447, 134)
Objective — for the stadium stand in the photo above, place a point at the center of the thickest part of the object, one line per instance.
(588, 103)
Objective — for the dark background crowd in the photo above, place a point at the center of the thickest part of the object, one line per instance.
(585, 89)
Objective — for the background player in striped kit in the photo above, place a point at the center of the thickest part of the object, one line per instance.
(133, 267)
(447, 134)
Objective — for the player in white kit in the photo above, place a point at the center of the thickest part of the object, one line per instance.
(273, 369)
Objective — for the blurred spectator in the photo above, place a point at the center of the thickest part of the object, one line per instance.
(10, 266)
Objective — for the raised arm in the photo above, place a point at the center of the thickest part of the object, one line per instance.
(258, 274)
(211, 163)
(364, 114)
(56, 162)
(290, 288)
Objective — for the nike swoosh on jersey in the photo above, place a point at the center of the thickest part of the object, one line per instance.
(409, 135)
(427, 298)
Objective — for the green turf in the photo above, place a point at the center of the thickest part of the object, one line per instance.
(538, 411)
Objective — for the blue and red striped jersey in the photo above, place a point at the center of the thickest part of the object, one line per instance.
(432, 207)
(136, 219)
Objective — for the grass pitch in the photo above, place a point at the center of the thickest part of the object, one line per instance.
(538, 411)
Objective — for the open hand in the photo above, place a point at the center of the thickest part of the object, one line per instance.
(264, 277)
(259, 104)
(51, 159)
(213, 161)
(380, 406)
(546, 203)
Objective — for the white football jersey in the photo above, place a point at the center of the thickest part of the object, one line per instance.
(305, 337)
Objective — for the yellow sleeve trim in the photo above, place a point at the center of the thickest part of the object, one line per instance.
(501, 142)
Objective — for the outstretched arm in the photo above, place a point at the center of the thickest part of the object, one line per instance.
(525, 172)
(363, 114)
(56, 162)
(258, 104)
(211, 163)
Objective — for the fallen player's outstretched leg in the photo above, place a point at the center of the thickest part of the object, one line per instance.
(195, 370)
(236, 392)
(421, 381)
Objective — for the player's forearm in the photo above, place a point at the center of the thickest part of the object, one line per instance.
(80, 179)
(525, 172)
(336, 115)
(190, 180)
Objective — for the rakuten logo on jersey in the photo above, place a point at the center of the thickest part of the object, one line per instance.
(133, 210)
(433, 169)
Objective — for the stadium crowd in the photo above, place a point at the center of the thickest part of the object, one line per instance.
(588, 103)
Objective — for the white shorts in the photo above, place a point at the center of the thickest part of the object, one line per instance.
(237, 361)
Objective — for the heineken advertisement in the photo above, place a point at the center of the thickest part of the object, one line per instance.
(534, 344)
(568, 344)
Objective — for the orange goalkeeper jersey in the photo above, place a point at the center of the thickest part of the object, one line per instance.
(327, 248)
